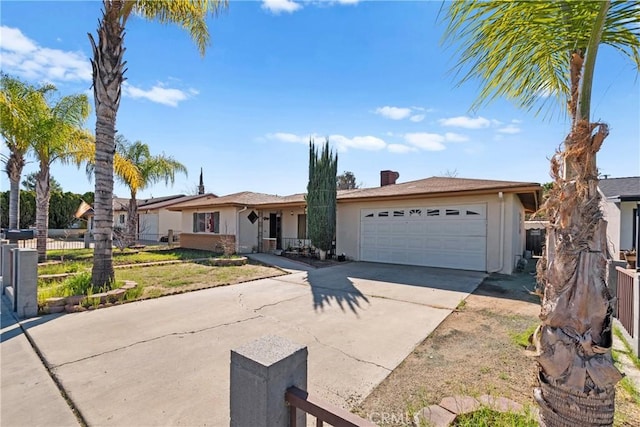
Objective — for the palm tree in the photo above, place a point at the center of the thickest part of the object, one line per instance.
(151, 170)
(108, 75)
(520, 50)
(19, 102)
(57, 130)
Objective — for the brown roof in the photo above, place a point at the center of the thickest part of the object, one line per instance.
(435, 185)
(244, 198)
(529, 193)
(165, 202)
(120, 203)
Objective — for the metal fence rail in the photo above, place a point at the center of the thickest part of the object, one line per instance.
(323, 411)
(626, 299)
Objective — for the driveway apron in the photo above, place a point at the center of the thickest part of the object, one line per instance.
(166, 361)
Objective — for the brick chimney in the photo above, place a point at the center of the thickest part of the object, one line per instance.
(388, 177)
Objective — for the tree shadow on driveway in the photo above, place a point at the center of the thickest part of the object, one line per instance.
(340, 290)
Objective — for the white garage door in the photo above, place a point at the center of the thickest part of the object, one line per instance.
(433, 236)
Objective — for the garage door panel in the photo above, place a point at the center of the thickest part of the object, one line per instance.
(420, 237)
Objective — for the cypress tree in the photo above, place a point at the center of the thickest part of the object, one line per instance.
(321, 196)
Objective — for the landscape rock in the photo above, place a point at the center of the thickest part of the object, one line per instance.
(436, 416)
(460, 404)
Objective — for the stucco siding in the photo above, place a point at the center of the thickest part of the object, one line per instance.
(611, 214)
(247, 232)
(169, 220)
(290, 222)
(348, 225)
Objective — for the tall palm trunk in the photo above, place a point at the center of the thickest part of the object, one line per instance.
(43, 194)
(132, 219)
(577, 376)
(15, 163)
(108, 72)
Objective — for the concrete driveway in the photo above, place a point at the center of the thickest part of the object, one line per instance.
(166, 361)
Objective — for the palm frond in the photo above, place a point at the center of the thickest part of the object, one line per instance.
(520, 50)
(191, 15)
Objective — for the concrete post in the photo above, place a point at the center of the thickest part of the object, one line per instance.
(261, 372)
(87, 239)
(25, 274)
(170, 237)
(7, 265)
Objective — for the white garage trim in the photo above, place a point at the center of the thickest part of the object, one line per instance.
(450, 236)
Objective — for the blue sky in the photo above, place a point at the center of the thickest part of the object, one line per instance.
(373, 76)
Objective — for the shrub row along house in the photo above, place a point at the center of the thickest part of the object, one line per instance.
(444, 222)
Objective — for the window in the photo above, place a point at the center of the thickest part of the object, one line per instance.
(383, 214)
(415, 212)
(472, 212)
(206, 222)
(121, 218)
(302, 226)
(433, 212)
(452, 212)
(398, 213)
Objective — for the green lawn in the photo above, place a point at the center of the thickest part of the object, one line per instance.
(159, 280)
(76, 260)
(182, 277)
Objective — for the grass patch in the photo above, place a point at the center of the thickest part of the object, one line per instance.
(81, 259)
(64, 267)
(627, 385)
(630, 354)
(522, 338)
(487, 417)
(192, 276)
(74, 285)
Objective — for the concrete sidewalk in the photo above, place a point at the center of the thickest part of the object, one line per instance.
(29, 396)
(166, 361)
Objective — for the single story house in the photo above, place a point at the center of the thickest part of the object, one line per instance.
(620, 203)
(470, 224)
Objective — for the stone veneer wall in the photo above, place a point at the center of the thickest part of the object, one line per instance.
(207, 241)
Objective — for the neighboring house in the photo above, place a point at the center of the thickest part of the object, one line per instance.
(439, 222)
(620, 203)
(536, 231)
(120, 211)
(155, 220)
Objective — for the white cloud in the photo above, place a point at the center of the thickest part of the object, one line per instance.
(426, 141)
(158, 93)
(278, 6)
(341, 142)
(466, 122)
(400, 148)
(455, 137)
(369, 143)
(510, 129)
(394, 113)
(286, 137)
(23, 57)
(401, 113)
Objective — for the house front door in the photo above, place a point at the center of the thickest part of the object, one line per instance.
(275, 228)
